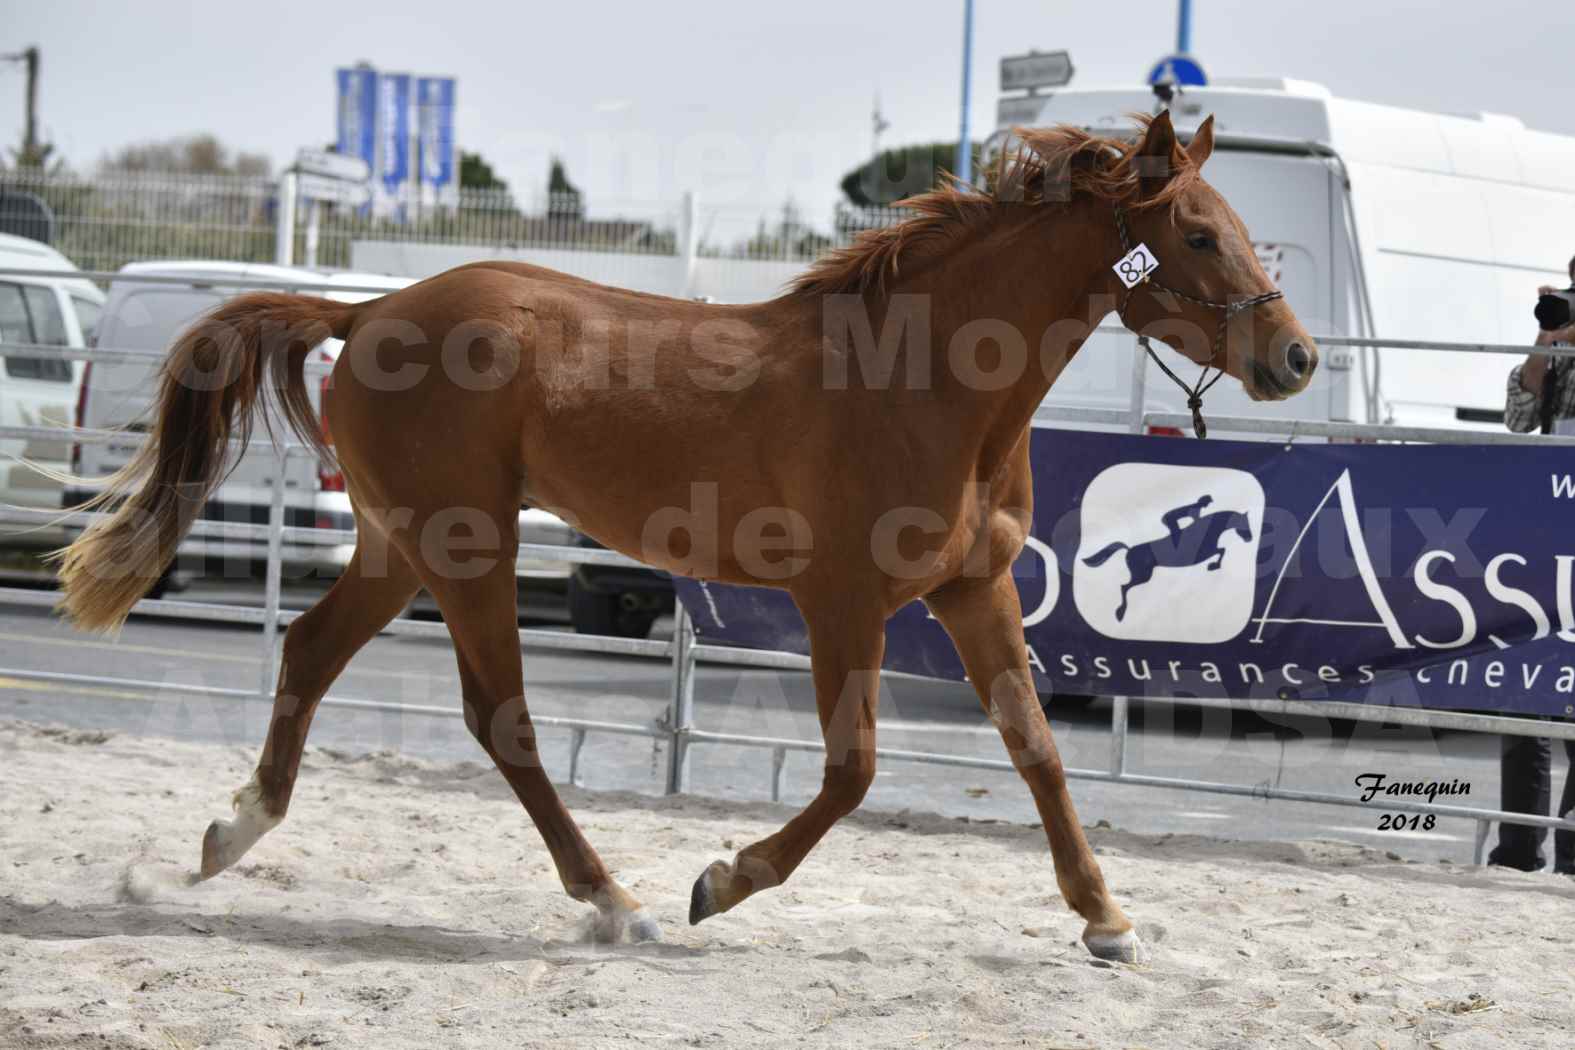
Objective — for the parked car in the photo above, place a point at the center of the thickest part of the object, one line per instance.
(147, 316)
(615, 599)
(36, 391)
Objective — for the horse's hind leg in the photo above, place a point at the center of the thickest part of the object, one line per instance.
(375, 586)
(482, 615)
(1138, 573)
(846, 643)
(985, 621)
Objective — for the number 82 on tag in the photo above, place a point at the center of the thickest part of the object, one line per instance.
(1135, 266)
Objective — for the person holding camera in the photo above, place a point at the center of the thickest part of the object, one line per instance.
(1541, 395)
(1542, 388)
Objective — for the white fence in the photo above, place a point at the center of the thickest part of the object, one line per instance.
(683, 246)
(685, 653)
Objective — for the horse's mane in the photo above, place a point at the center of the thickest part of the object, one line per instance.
(1051, 165)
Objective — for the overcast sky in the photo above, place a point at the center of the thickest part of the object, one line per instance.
(748, 103)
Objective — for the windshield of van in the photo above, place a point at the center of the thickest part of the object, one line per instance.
(141, 319)
(151, 318)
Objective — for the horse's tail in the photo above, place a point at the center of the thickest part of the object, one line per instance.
(1102, 555)
(252, 346)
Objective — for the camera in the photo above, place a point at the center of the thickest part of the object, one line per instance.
(1556, 310)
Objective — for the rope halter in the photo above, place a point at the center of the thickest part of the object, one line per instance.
(1227, 311)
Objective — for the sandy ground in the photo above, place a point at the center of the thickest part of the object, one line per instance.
(409, 905)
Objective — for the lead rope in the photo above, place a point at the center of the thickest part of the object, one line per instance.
(1196, 391)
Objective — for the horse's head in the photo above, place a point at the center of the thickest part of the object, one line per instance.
(1239, 522)
(1201, 299)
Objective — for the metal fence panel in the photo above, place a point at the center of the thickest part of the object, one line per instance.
(111, 218)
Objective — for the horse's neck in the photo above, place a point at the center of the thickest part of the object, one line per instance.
(1217, 524)
(1044, 277)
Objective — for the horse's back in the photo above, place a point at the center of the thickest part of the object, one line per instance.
(504, 290)
(546, 276)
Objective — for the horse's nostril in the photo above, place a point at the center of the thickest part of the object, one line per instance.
(1298, 359)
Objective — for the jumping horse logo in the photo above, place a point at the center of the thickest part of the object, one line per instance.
(1194, 544)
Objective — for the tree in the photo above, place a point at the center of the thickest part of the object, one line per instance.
(36, 159)
(476, 174)
(899, 173)
(564, 200)
(200, 154)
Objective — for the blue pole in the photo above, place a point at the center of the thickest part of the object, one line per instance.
(964, 150)
(1184, 29)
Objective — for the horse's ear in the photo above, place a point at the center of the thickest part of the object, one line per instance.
(1202, 144)
(1159, 138)
(1158, 156)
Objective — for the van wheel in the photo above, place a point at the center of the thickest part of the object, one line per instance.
(1065, 702)
(622, 616)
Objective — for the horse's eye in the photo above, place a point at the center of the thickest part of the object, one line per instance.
(1201, 242)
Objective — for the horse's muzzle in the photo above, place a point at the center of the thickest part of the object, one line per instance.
(1289, 372)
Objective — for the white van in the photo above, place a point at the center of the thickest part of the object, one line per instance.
(38, 391)
(141, 315)
(1375, 221)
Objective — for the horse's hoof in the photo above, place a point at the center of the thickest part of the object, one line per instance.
(610, 927)
(215, 854)
(643, 928)
(226, 841)
(702, 899)
(1116, 947)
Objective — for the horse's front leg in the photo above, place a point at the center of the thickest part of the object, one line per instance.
(847, 638)
(985, 621)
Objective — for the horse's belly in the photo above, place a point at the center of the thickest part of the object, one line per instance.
(731, 531)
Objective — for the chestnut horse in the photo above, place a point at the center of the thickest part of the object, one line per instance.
(800, 450)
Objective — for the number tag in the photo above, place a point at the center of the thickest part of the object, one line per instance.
(1135, 266)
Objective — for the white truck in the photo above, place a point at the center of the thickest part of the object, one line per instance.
(58, 310)
(1376, 221)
